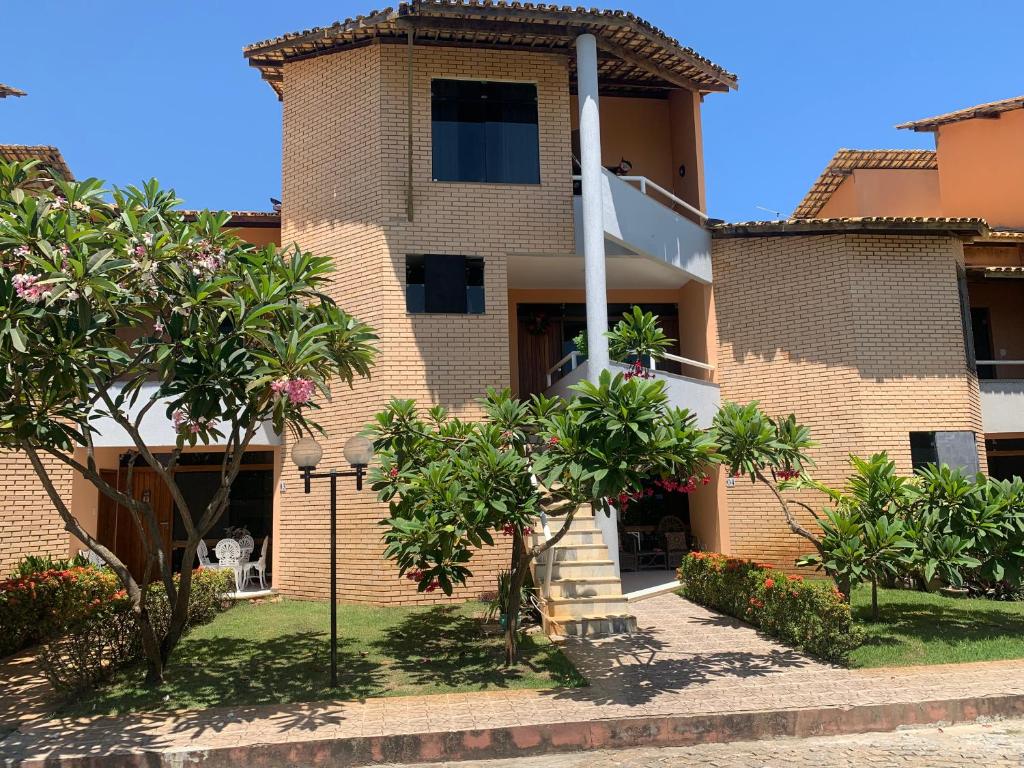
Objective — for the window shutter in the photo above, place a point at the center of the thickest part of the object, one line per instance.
(445, 278)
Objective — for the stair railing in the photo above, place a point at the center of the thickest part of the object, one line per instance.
(572, 358)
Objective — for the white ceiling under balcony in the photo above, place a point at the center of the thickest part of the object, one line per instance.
(623, 270)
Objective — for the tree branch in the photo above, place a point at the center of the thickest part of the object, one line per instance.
(794, 526)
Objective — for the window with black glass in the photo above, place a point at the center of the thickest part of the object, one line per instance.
(444, 284)
(955, 448)
(485, 131)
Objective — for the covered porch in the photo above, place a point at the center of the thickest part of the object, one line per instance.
(249, 520)
(995, 293)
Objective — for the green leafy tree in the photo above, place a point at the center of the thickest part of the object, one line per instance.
(864, 534)
(637, 336)
(452, 485)
(772, 452)
(117, 306)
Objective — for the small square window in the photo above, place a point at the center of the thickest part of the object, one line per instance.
(444, 284)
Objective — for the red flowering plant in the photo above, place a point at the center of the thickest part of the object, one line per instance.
(39, 606)
(457, 482)
(116, 305)
(810, 616)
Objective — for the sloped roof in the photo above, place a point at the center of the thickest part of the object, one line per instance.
(246, 218)
(636, 56)
(10, 90)
(49, 157)
(990, 109)
(846, 161)
(907, 225)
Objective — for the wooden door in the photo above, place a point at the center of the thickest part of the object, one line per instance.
(117, 528)
(539, 349)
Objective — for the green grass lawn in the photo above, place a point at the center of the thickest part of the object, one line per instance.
(924, 628)
(279, 652)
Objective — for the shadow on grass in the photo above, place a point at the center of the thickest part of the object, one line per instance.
(941, 620)
(445, 647)
(230, 671)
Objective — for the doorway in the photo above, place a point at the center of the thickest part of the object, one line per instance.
(250, 506)
(546, 333)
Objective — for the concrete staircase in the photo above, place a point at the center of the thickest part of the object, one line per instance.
(586, 595)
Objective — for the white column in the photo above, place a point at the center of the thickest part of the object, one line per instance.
(593, 205)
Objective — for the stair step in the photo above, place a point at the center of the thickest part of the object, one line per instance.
(587, 586)
(574, 537)
(576, 569)
(579, 607)
(591, 626)
(575, 552)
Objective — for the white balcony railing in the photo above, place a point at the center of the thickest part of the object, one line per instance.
(1002, 400)
(701, 397)
(637, 223)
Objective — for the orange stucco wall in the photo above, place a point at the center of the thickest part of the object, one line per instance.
(981, 168)
(1003, 298)
(885, 192)
(656, 136)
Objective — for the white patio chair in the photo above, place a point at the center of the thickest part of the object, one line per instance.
(229, 555)
(93, 557)
(247, 545)
(258, 567)
(204, 555)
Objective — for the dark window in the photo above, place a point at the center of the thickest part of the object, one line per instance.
(485, 131)
(954, 448)
(445, 284)
(981, 332)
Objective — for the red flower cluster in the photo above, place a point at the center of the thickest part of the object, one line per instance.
(508, 529)
(393, 473)
(786, 473)
(756, 603)
(637, 371)
(417, 576)
(769, 583)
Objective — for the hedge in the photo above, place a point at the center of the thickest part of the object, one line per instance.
(41, 605)
(812, 617)
(106, 637)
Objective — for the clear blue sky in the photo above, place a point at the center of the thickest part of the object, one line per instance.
(130, 90)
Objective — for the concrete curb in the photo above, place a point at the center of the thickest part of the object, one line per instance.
(525, 740)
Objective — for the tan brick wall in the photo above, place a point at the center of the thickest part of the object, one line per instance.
(29, 525)
(344, 193)
(859, 335)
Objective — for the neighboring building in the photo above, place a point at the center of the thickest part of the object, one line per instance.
(438, 153)
(50, 159)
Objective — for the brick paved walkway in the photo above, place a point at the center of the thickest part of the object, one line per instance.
(994, 745)
(684, 661)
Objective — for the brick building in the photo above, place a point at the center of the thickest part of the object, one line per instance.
(455, 162)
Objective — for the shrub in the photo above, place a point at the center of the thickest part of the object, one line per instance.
(106, 637)
(31, 564)
(810, 616)
(44, 604)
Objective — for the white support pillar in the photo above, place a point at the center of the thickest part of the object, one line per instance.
(593, 206)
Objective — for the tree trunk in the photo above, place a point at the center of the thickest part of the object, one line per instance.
(151, 648)
(874, 598)
(517, 576)
(844, 586)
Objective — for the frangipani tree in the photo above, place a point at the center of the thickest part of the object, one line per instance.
(116, 305)
(453, 484)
